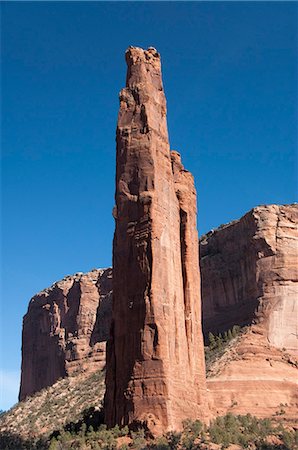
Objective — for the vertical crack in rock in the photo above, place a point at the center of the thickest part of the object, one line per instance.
(155, 362)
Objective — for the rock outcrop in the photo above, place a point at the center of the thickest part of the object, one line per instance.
(254, 377)
(250, 274)
(250, 277)
(65, 330)
(155, 361)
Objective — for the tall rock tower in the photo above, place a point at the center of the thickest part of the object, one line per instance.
(155, 360)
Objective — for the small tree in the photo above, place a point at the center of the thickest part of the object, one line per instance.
(219, 341)
(235, 330)
(174, 439)
(53, 444)
(138, 438)
(212, 342)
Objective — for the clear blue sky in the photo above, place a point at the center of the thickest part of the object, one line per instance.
(230, 76)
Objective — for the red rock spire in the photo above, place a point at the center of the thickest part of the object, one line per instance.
(155, 360)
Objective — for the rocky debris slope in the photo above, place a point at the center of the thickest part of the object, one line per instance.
(155, 360)
(65, 330)
(249, 277)
(65, 402)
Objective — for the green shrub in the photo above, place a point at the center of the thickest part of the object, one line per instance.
(53, 443)
(212, 342)
(193, 427)
(290, 439)
(188, 442)
(138, 438)
(173, 439)
(161, 444)
(242, 430)
(124, 431)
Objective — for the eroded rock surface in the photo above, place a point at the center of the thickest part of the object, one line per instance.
(255, 377)
(249, 277)
(155, 361)
(65, 330)
(250, 274)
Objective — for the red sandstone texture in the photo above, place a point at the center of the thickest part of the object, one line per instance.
(65, 330)
(250, 273)
(250, 277)
(155, 361)
(256, 375)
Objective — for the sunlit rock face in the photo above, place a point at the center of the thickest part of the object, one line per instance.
(65, 330)
(249, 277)
(155, 362)
(250, 274)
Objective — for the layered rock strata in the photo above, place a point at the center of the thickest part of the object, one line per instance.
(65, 330)
(250, 274)
(155, 361)
(255, 377)
(236, 265)
(250, 277)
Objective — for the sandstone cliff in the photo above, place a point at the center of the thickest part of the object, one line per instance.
(249, 277)
(65, 330)
(155, 359)
(250, 274)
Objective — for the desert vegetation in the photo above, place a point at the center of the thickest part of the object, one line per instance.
(68, 415)
(218, 344)
(240, 432)
(69, 400)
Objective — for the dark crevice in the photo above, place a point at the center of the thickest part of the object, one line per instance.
(183, 246)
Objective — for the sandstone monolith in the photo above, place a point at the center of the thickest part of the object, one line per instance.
(155, 361)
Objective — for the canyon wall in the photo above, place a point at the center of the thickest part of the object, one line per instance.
(155, 360)
(250, 277)
(65, 330)
(250, 274)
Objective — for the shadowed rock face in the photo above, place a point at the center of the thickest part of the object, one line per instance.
(250, 274)
(155, 362)
(65, 330)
